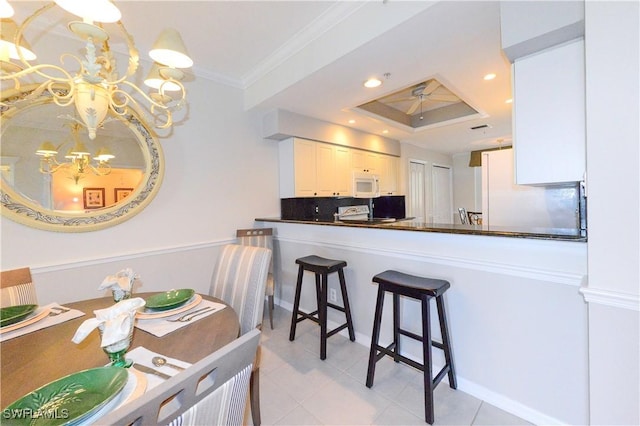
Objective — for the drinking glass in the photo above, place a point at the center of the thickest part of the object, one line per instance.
(116, 351)
(120, 294)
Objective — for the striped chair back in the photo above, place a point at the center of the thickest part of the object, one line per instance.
(16, 288)
(239, 278)
(212, 391)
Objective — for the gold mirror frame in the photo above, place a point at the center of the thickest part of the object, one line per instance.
(20, 209)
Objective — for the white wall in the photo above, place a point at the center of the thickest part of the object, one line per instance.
(219, 175)
(612, 46)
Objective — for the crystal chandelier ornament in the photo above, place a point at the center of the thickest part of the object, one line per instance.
(95, 88)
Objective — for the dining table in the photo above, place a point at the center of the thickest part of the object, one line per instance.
(32, 360)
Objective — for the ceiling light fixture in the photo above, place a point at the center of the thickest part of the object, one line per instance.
(78, 158)
(97, 88)
(352, 121)
(490, 76)
(372, 82)
(508, 101)
(385, 131)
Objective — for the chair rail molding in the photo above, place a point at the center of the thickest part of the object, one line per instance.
(128, 256)
(611, 298)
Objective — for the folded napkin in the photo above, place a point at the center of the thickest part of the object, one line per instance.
(121, 284)
(115, 322)
(162, 326)
(142, 355)
(46, 321)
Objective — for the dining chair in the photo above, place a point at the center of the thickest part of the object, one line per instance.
(212, 391)
(261, 237)
(16, 288)
(239, 278)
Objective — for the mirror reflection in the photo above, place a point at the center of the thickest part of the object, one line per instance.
(53, 161)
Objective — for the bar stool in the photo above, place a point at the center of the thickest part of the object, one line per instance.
(321, 267)
(423, 289)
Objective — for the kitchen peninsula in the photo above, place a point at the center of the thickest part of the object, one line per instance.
(517, 318)
(563, 234)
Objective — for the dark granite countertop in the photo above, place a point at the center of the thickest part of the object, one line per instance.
(560, 234)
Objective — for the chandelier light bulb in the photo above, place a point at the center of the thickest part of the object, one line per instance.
(93, 11)
(6, 11)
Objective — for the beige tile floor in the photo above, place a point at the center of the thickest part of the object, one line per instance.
(297, 388)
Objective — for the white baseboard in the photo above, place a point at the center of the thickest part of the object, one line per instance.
(498, 400)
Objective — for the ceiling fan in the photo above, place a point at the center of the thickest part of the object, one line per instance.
(427, 91)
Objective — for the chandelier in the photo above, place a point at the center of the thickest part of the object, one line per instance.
(78, 158)
(94, 86)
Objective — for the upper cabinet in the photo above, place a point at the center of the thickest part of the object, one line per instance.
(549, 115)
(315, 169)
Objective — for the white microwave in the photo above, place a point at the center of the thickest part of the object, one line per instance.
(365, 185)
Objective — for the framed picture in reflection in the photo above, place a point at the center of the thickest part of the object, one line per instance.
(121, 193)
(93, 198)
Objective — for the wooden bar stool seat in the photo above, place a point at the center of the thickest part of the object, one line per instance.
(321, 268)
(423, 289)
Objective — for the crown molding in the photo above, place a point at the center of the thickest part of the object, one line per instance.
(321, 25)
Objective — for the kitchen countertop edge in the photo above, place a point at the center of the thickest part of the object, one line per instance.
(409, 225)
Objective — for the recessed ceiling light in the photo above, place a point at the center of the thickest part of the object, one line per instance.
(385, 131)
(352, 121)
(372, 82)
(490, 76)
(508, 101)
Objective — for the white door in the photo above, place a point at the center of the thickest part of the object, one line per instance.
(442, 194)
(417, 190)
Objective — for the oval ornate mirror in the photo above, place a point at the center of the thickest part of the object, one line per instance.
(45, 186)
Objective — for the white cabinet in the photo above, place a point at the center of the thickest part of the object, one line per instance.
(312, 169)
(343, 171)
(315, 169)
(365, 161)
(549, 115)
(388, 175)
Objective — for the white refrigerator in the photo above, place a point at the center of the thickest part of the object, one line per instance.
(506, 204)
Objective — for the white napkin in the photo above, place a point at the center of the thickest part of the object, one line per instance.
(115, 322)
(142, 355)
(161, 326)
(120, 283)
(45, 322)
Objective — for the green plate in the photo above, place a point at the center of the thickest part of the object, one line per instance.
(67, 400)
(169, 299)
(13, 314)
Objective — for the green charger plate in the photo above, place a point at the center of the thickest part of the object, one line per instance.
(13, 314)
(68, 400)
(169, 299)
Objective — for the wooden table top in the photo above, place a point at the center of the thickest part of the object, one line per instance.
(35, 359)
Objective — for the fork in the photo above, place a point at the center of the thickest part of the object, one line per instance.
(192, 315)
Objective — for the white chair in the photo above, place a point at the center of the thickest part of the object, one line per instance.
(239, 278)
(261, 237)
(212, 391)
(16, 288)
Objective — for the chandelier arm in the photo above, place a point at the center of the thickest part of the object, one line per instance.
(157, 108)
(36, 69)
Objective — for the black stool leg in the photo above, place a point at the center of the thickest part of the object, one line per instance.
(426, 354)
(375, 335)
(396, 327)
(322, 315)
(296, 305)
(347, 309)
(446, 342)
